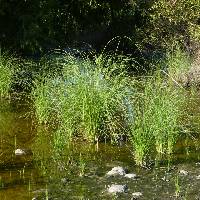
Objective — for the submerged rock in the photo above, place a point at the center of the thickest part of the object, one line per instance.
(118, 188)
(117, 171)
(21, 152)
(198, 177)
(136, 195)
(39, 191)
(183, 172)
(131, 176)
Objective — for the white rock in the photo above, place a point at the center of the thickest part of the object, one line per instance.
(19, 152)
(117, 188)
(183, 172)
(116, 171)
(136, 195)
(198, 163)
(131, 176)
(198, 177)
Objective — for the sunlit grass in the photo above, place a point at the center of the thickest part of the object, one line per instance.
(6, 74)
(158, 108)
(157, 115)
(97, 101)
(87, 100)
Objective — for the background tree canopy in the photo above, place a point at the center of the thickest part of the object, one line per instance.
(33, 26)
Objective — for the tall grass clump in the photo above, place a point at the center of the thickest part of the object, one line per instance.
(86, 100)
(6, 74)
(98, 101)
(158, 108)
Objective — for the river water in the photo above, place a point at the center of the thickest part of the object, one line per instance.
(79, 173)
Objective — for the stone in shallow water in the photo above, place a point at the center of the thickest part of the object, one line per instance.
(20, 152)
(117, 171)
(136, 195)
(198, 177)
(183, 172)
(131, 176)
(118, 189)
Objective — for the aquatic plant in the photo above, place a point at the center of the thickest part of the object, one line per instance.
(1, 183)
(158, 107)
(46, 193)
(97, 101)
(86, 100)
(157, 110)
(16, 74)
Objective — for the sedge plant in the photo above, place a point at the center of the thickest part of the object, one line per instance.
(158, 108)
(157, 111)
(85, 99)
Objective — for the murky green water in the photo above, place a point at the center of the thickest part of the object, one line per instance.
(79, 173)
(16, 131)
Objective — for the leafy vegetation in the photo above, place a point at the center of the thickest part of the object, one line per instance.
(91, 101)
(100, 71)
(39, 25)
(156, 126)
(98, 101)
(103, 98)
(6, 74)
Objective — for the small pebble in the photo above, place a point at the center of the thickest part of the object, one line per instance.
(131, 176)
(183, 172)
(198, 177)
(117, 171)
(19, 152)
(136, 195)
(118, 189)
(198, 163)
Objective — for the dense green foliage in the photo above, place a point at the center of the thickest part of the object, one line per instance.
(157, 118)
(36, 25)
(91, 101)
(96, 98)
(170, 21)
(100, 104)
(6, 74)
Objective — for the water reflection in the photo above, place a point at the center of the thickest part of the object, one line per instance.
(16, 131)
